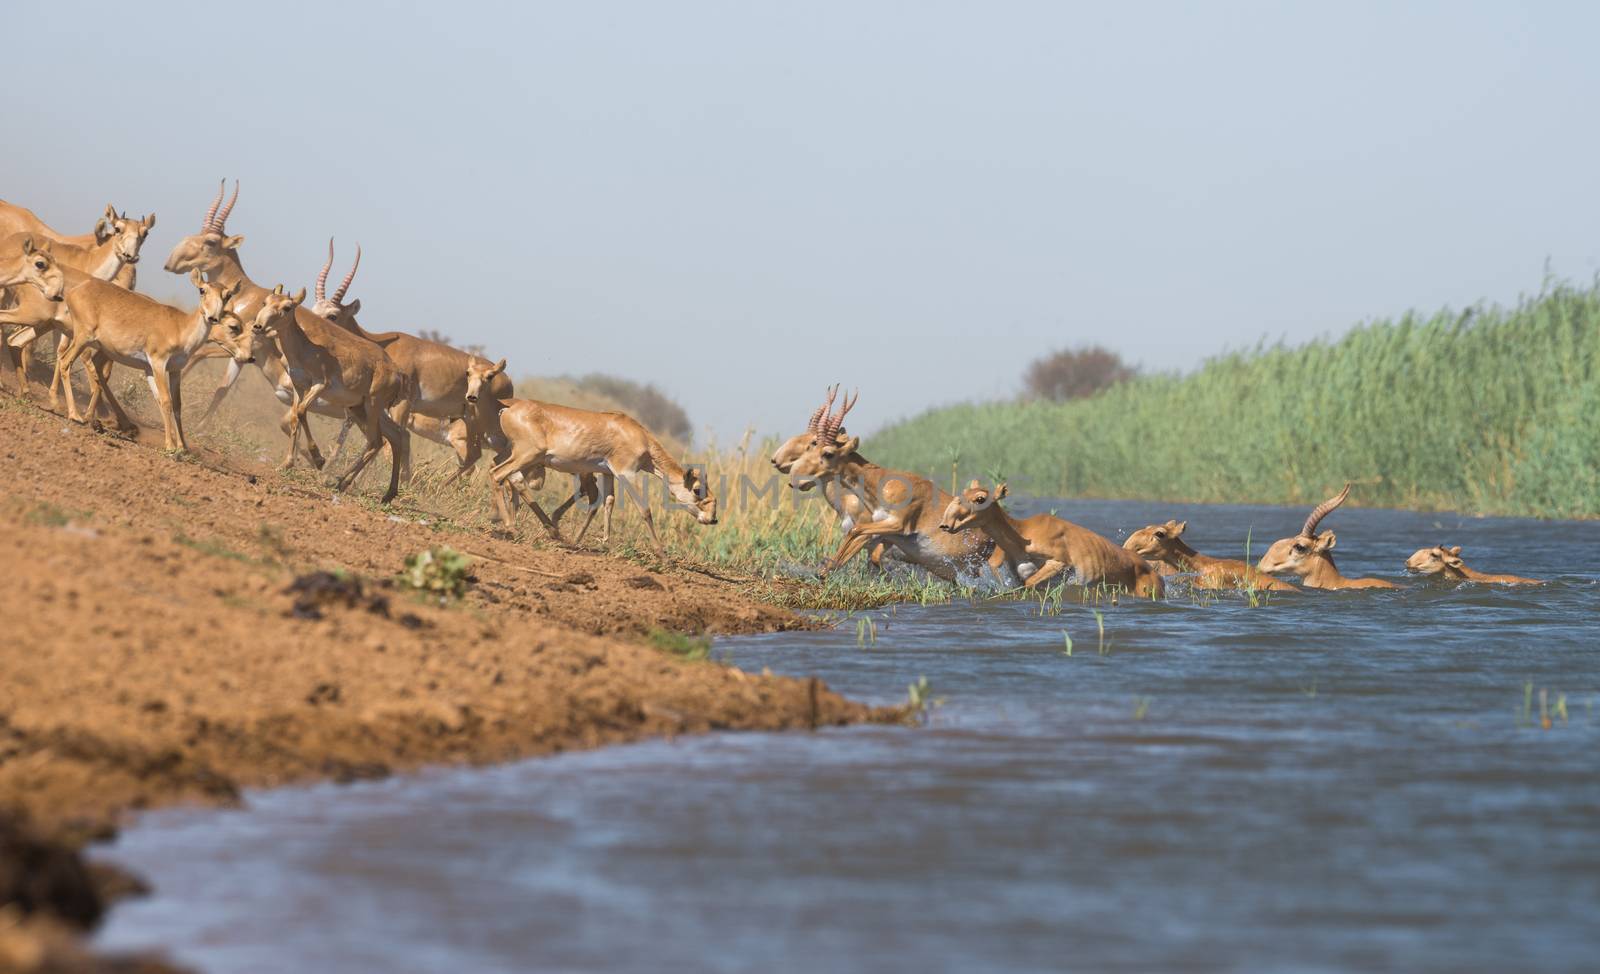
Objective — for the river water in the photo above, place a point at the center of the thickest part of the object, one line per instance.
(1328, 782)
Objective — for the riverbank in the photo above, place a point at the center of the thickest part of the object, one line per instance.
(155, 653)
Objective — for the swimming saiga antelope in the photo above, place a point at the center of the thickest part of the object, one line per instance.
(1040, 547)
(316, 362)
(545, 436)
(1309, 555)
(846, 504)
(1163, 543)
(1447, 563)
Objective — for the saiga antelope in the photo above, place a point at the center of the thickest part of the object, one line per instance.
(1447, 563)
(845, 503)
(314, 361)
(1309, 555)
(900, 508)
(144, 334)
(1040, 547)
(1163, 543)
(543, 436)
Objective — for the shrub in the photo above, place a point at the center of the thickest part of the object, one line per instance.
(1075, 373)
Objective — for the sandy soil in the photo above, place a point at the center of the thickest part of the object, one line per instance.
(151, 653)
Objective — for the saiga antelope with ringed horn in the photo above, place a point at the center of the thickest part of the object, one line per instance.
(845, 503)
(1309, 555)
(312, 360)
(1040, 547)
(899, 508)
(545, 436)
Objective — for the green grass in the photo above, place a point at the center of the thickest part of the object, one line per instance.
(1492, 411)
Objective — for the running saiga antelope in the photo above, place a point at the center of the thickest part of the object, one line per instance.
(146, 335)
(1310, 555)
(1447, 563)
(314, 360)
(32, 285)
(1163, 543)
(543, 436)
(899, 508)
(846, 504)
(1040, 547)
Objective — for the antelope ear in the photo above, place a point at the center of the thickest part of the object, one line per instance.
(353, 308)
(196, 279)
(111, 212)
(278, 289)
(1325, 541)
(300, 296)
(1001, 490)
(233, 242)
(1176, 528)
(690, 478)
(27, 246)
(974, 485)
(498, 368)
(850, 445)
(102, 230)
(149, 221)
(1454, 551)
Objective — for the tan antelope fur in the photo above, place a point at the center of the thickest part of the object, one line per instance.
(1446, 563)
(113, 230)
(1040, 547)
(1310, 555)
(545, 436)
(898, 508)
(155, 338)
(314, 361)
(1164, 544)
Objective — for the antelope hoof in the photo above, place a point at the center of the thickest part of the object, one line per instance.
(317, 459)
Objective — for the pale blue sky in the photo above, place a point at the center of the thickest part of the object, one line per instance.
(743, 202)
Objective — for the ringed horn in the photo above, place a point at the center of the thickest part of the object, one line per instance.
(1323, 510)
(214, 222)
(835, 421)
(322, 278)
(815, 426)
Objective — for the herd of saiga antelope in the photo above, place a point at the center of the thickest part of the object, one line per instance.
(392, 384)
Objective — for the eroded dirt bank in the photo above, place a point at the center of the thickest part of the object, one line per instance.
(149, 653)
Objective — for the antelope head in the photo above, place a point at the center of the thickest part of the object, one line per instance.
(1303, 553)
(212, 246)
(480, 378)
(826, 450)
(1157, 540)
(334, 309)
(275, 309)
(967, 507)
(1437, 560)
(789, 450)
(696, 493)
(37, 266)
(214, 297)
(126, 234)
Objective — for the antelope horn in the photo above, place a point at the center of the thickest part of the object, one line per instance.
(338, 296)
(205, 223)
(322, 278)
(835, 421)
(816, 424)
(1323, 510)
(222, 217)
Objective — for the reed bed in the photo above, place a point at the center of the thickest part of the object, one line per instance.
(1493, 410)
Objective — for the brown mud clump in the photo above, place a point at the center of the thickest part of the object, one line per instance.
(177, 630)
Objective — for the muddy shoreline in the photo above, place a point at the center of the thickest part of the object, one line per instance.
(152, 654)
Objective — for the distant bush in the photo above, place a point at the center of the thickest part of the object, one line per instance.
(1075, 373)
(434, 335)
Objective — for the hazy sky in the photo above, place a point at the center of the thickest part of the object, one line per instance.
(742, 202)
